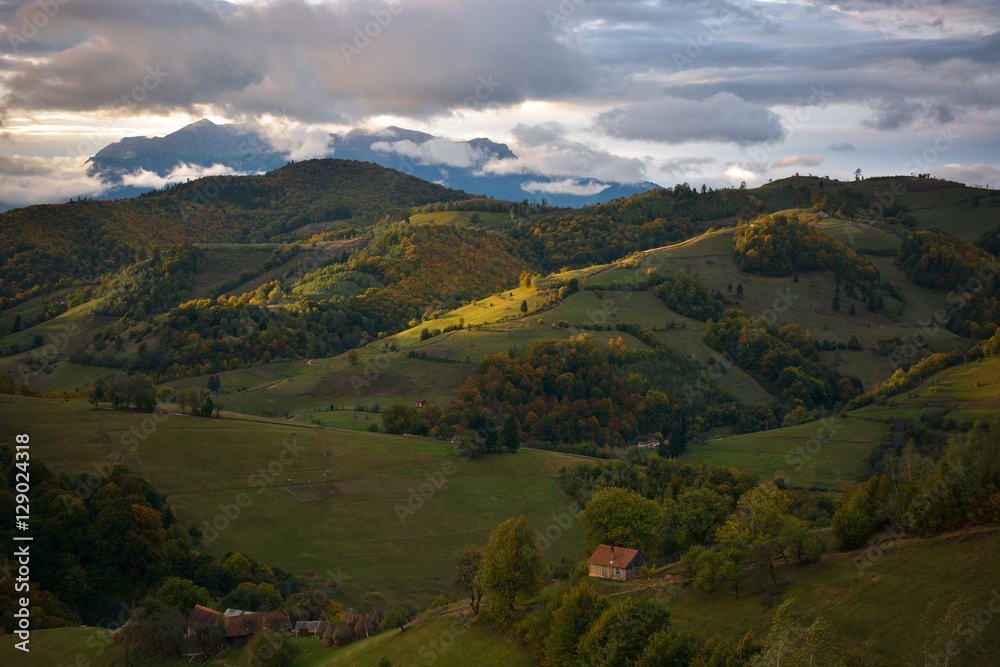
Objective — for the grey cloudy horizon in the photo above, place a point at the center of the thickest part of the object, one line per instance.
(704, 91)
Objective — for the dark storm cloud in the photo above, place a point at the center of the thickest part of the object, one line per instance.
(724, 117)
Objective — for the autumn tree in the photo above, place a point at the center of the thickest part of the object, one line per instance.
(509, 567)
(192, 398)
(398, 418)
(577, 611)
(397, 617)
(623, 518)
(761, 529)
(699, 511)
(270, 648)
(471, 444)
(621, 634)
(157, 630)
(182, 594)
(789, 644)
(464, 576)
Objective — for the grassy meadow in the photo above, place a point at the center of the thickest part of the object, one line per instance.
(360, 525)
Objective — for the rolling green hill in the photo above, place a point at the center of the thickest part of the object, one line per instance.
(353, 516)
(327, 291)
(56, 244)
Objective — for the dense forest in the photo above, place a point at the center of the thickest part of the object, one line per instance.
(685, 295)
(990, 240)
(943, 261)
(151, 284)
(911, 492)
(785, 362)
(588, 396)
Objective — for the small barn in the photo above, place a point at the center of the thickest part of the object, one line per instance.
(305, 628)
(610, 562)
(420, 403)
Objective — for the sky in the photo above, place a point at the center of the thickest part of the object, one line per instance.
(696, 91)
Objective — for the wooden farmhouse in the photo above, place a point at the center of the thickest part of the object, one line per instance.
(610, 562)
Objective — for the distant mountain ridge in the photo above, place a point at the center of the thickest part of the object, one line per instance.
(242, 148)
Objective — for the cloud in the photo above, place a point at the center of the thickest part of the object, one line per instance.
(35, 180)
(843, 147)
(316, 58)
(723, 117)
(298, 141)
(434, 151)
(182, 172)
(566, 186)
(893, 114)
(978, 174)
(799, 160)
(538, 135)
(685, 165)
(741, 172)
(544, 149)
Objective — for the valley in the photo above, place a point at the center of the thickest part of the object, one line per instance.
(353, 387)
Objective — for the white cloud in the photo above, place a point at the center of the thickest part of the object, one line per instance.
(566, 186)
(799, 160)
(544, 149)
(736, 173)
(182, 172)
(434, 151)
(35, 180)
(298, 141)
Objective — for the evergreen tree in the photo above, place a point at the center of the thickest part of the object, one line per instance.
(510, 435)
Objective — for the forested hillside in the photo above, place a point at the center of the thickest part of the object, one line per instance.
(609, 231)
(49, 246)
(404, 272)
(777, 246)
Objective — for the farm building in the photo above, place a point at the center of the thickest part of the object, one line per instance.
(651, 443)
(305, 628)
(610, 562)
(420, 403)
(240, 625)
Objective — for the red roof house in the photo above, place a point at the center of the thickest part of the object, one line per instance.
(610, 562)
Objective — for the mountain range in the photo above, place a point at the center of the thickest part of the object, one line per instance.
(243, 148)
